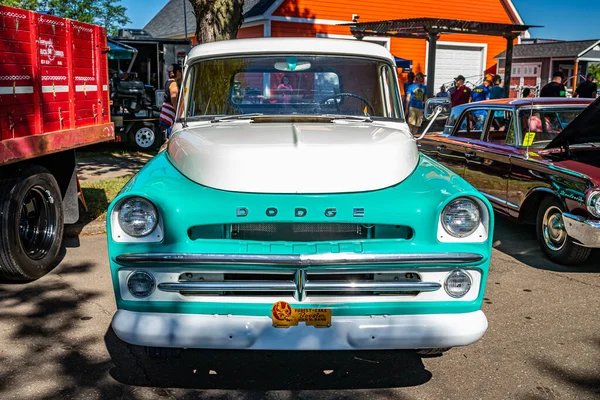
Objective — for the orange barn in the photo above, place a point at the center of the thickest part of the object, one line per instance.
(469, 55)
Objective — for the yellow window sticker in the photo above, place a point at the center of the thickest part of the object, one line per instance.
(528, 139)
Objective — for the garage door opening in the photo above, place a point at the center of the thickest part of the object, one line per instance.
(456, 59)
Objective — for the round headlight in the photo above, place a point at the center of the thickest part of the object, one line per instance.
(457, 284)
(140, 284)
(137, 217)
(593, 204)
(461, 217)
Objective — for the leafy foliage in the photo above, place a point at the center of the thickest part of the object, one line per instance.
(595, 69)
(107, 13)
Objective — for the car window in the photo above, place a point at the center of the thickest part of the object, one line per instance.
(471, 124)
(501, 128)
(541, 126)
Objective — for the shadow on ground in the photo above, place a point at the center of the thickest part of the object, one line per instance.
(266, 370)
(39, 321)
(519, 241)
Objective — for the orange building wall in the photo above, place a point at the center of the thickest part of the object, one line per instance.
(256, 31)
(377, 10)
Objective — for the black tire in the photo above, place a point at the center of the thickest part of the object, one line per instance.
(553, 238)
(433, 352)
(31, 224)
(163, 352)
(144, 136)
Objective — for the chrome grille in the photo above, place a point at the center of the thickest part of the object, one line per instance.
(297, 232)
(300, 283)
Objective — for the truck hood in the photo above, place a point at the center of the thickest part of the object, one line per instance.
(585, 128)
(335, 157)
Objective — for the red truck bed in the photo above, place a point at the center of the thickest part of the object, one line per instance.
(54, 93)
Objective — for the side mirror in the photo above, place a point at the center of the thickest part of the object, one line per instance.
(432, 105)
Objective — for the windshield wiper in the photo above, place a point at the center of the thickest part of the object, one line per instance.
(364, 118)
(236, 117)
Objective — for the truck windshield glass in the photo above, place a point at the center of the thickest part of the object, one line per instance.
(292, 85)
(539, 127)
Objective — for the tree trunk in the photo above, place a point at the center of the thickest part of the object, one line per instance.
(217, 19)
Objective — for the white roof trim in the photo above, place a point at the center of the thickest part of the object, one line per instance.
(273, 8)
(514, 9)
(588, 49)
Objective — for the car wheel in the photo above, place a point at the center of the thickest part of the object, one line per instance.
(31, 224)
(552, 235)
(143, 137)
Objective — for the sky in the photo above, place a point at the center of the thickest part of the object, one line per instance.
(567, 20)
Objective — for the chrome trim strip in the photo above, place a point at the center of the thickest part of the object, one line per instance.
(336, 286)
(301, 259)
(245, 286)
(501, 201)
(584, 231)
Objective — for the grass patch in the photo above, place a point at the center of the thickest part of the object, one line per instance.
(98, 195)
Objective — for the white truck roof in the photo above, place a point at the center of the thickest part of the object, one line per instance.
(262, 46)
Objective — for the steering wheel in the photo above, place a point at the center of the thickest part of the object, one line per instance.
(335, 96)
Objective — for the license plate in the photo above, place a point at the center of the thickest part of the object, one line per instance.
(284, 316)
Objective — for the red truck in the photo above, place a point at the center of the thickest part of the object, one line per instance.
(54, 98)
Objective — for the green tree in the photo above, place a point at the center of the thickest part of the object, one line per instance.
(107, 13)
(217, 19)
(595, 69)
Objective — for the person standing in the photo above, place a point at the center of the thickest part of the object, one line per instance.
(416, 98)
(461, 93)
(587, 89)
(480, 93)
(497, 91)
(442, 92)
(410, 80)
(168, 110)
(554, 88)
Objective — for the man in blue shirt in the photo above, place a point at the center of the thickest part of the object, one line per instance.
(416, 96)
(480, 93)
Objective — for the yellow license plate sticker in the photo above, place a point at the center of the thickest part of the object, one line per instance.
(284, 316)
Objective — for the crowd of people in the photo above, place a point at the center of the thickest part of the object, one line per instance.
(491, 88)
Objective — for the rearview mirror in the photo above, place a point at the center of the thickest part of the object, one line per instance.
(434, 103)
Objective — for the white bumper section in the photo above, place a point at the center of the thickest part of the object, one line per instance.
(257, 333)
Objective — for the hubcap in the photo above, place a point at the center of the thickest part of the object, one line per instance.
(37, 223)
(553, 229)
(144, 137)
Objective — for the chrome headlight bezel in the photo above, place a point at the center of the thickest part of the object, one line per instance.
(453, 274)
(150, 209)
(122, 235)
(593, 203)
(146, 274)
(475, 210)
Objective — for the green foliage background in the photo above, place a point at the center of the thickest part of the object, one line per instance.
(107, 13)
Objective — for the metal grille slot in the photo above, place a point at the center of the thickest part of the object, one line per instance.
(300, 232)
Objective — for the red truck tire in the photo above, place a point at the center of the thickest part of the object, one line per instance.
(31, 224)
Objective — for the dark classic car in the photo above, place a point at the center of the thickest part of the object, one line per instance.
(536, 160)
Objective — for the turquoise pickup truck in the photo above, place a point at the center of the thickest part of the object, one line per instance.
(292, 210)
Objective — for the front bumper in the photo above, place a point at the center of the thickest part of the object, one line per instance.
(584, 231)
(257, 333)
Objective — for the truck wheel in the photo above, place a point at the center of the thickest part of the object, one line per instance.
(31, 224)
(143, 136)
(552, 235)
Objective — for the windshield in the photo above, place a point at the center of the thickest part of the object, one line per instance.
(292, 85)
(540, 126)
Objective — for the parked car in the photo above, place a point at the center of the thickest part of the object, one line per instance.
(285, 205)
(536, 160)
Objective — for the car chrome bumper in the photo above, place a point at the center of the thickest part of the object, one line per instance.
(582, 230)
(301, 259)
(257, 333)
